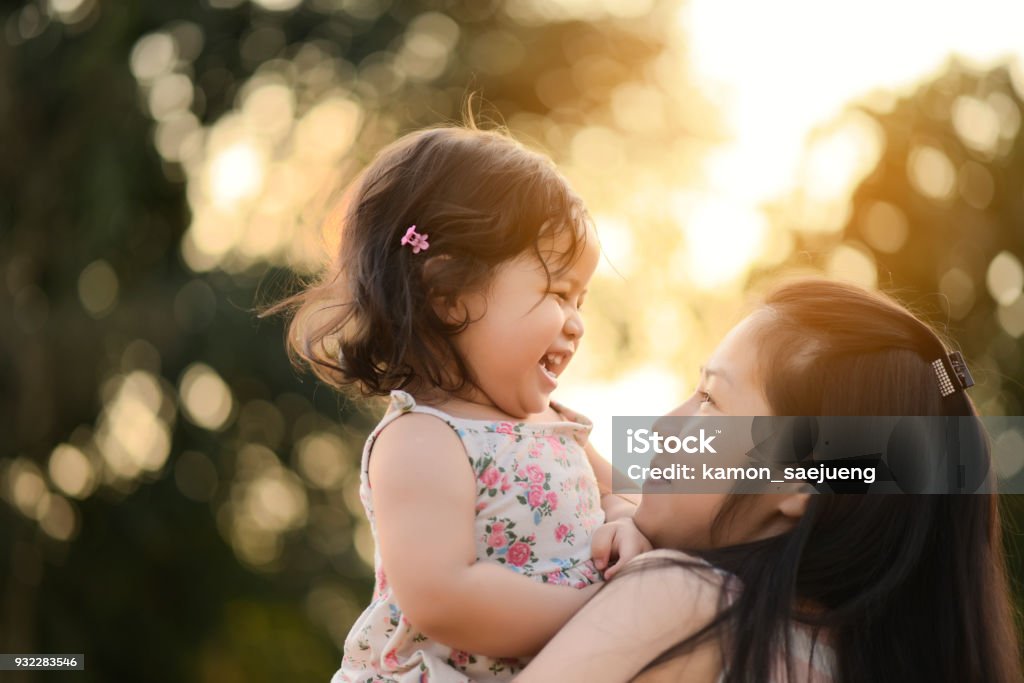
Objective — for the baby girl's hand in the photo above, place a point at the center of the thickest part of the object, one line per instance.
(619, 541)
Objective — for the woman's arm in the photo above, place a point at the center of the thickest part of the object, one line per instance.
(629, 623)
(424, 498)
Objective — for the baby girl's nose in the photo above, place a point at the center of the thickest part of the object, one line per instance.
(574, 325)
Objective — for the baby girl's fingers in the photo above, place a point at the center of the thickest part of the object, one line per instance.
(623, 559)
(601, 546)
(612, 570)
(629, 547)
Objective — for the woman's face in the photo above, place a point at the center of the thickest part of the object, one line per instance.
(730, 384)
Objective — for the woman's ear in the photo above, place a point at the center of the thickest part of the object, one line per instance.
(793, 505)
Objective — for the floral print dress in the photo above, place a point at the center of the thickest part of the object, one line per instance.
(537, 505)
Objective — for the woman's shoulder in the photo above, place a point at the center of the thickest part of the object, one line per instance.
(671, 554)
(662, 598)
(674, 581)
(668, 558)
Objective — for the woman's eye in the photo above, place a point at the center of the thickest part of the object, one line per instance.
(705, 397)
(561, 295)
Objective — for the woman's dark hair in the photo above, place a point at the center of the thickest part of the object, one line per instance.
(372, 319)
(908, 587)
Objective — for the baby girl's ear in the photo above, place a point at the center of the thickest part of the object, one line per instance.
(443, 292)
(451, 314)
(434, 266)
(439, 294)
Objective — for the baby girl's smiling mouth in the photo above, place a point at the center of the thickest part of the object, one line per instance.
(554, 362)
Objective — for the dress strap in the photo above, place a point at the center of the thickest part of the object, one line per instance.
(572, 416)
(403, 402)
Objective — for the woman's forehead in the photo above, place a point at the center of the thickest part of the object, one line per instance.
(736, 354)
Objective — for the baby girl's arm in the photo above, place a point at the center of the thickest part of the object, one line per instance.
(424, 497)
(615, 505)
(618, 540)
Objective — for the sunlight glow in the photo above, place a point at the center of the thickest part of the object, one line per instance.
(153, 55)
(132, 433)
(71, 470)
(931, 172)
(24, 485)
(853, 263)
(206, 398)
(779, 70)
(236, 173)
(722, 239)
(323, 459)
(737, 143)
(651, 390)
(1005, 278)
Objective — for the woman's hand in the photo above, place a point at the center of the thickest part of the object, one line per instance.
(619, 542)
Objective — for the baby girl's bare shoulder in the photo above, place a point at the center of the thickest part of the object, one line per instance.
(421, 434)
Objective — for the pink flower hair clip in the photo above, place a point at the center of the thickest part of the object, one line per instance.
(417, 241)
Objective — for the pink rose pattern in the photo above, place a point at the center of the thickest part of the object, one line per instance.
(492, 481)
(505, 546)
(536, 491)
(505, 428)
(380, 584)
(460, 659)
(537, 506)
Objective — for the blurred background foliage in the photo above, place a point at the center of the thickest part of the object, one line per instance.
(176, 502)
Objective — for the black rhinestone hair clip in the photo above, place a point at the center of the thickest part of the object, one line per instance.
(952, 374)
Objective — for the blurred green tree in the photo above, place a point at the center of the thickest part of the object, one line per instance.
(179, 504)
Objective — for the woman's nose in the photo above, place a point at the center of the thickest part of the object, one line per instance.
(690, 407)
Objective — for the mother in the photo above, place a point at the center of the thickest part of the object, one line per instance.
(805, 587)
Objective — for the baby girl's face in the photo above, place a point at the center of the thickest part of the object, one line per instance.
(730, 384)
(526, 329)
